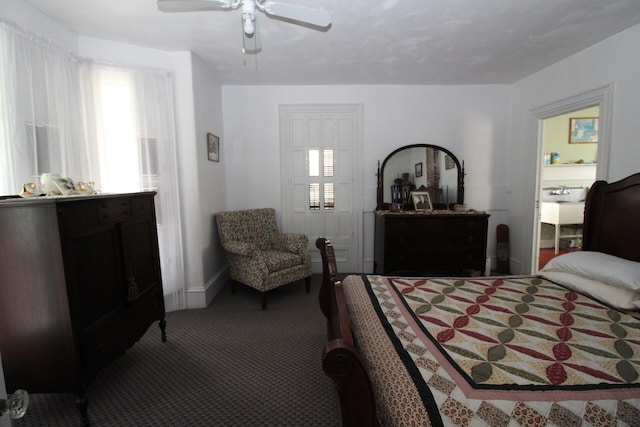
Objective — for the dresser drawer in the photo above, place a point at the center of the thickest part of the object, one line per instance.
(79, 215)
(114, 210)
(141, 206)
(470, 238)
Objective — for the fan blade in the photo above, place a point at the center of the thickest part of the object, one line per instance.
(193, 5)
(307, 15)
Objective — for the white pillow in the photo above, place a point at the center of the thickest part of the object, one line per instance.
(598, 266)
(614, 296)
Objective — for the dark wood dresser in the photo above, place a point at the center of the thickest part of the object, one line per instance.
(80, 283)
(430, 243)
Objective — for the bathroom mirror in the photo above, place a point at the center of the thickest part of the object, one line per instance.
(422, 167)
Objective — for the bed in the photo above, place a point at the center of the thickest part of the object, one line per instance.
(561, 347)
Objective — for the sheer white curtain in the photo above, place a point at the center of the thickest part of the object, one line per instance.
(129, 116)
(39, 111)
(91, 122)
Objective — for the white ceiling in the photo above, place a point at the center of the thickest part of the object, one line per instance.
(369, 42)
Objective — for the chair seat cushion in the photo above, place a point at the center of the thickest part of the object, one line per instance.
(280, 260)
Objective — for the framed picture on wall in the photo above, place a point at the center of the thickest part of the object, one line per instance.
(213, 147)
(418, 169)
(448, 162)
(583, 130)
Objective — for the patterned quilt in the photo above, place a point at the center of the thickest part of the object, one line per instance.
(495, 351)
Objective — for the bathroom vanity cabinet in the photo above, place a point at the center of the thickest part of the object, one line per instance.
(562, 213)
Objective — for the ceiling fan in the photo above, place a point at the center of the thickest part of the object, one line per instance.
(250, 41)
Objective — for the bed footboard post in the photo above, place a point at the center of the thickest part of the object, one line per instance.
(340, 359)
(341, 362)
(329, 272)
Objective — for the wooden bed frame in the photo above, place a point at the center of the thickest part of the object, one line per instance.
(611, 225)
(611, 215)
(340, 359)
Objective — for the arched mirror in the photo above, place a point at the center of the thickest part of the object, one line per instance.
(421, 167)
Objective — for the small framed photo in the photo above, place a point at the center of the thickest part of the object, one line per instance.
(583, 130)
(418, 169)
(448, 162)
(213, 147)
(421, 201)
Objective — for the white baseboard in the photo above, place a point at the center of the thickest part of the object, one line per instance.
(202, 297)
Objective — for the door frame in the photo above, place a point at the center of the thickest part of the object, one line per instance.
(602, 97)
(358, 202)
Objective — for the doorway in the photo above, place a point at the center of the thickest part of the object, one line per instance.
(601, 97)
(569, 167)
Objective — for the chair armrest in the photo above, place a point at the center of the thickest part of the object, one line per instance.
(296, 243)
(241, 248)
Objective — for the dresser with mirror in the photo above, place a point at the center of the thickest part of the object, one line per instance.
(442, 238)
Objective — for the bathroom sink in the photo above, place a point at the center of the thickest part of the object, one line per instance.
(563, 194)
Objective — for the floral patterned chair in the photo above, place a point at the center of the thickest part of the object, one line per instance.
(259, 255)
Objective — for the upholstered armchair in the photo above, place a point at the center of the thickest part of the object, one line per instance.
(259, 255)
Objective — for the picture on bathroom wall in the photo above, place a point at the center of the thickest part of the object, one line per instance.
(583, 130)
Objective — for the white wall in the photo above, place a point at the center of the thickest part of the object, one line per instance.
(211, 179)
(26, 17)
(471, 121)
(608, 62)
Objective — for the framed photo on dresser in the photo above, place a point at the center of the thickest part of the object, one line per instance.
(421, 201)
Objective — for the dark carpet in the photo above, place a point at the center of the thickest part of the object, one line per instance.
(230, 364)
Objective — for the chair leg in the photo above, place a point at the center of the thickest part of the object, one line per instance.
(233, 286)
(307, 281)
(263, 300)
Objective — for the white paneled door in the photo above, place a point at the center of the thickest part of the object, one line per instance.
(321, 185)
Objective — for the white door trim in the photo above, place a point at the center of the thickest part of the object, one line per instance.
(601, 96)
(286, 172)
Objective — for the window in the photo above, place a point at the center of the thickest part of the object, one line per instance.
(314, 196)
(328, 195)
(43, 155)
(324, 199)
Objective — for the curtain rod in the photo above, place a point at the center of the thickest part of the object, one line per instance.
(49, 44)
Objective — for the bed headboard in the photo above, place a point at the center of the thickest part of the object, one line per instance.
(612, 218)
